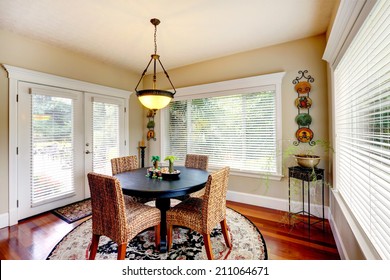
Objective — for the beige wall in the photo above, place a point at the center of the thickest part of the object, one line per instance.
(305, 54)
(20, 51)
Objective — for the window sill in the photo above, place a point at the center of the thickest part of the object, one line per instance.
(249, 174)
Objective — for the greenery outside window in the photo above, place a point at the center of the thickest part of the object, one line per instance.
(236, 123)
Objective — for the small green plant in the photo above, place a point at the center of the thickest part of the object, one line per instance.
(171, 160)
(155, 160)
(320, 149)
(320, 146)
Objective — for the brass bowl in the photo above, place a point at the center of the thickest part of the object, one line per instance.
(307, 161)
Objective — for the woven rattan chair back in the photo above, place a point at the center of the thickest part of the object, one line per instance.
(116, 217)
(108, 207)
(203, 214)
(197, 161)
(123, 164)
(214, 199)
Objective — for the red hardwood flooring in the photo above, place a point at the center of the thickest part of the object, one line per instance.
(286, 242)
(35, 237)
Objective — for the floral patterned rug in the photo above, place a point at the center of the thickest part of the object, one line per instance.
(248, 243)
(75, 211)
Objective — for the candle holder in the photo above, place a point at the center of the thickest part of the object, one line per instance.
(142, 152)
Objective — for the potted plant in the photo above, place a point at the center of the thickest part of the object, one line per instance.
(307, 161)
(171, 160)
(155, 160)
(308, 156)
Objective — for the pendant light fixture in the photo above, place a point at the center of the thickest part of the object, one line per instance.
(154, 98)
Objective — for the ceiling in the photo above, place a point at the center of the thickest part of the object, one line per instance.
(191, 31)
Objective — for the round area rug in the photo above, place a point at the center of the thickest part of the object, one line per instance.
(248, 243)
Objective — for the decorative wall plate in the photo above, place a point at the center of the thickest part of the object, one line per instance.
(302, 87)
(303, 102)
(304, 134)
(303, 119)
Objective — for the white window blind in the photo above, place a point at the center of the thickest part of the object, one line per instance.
(362, 123)
(105, 131)
(52, 148)
(237, 130)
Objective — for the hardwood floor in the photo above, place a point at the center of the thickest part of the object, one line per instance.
(286, 242)
(35, 237)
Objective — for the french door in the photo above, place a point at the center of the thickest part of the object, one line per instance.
(62, 135)
(104, 133)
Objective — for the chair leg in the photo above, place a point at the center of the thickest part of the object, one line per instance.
(94, 246)
(157, 237)
(207, 245)
(122, 251)
(225, 233)
(169, 237)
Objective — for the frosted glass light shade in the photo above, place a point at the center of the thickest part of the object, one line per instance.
(154, 99)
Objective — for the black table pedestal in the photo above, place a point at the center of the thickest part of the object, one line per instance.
(163, 204)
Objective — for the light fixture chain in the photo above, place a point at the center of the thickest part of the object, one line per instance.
(155, 39)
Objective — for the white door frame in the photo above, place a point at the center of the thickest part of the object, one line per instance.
(16, 74)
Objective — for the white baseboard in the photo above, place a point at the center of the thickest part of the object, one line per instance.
(4, 220)
(258, 200)
(268, 202)
(337, 237)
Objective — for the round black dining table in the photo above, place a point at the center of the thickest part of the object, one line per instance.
(136, 183)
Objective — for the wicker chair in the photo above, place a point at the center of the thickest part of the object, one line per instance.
(115, 216)
(123, 164)
(199, 162)
(203, 214)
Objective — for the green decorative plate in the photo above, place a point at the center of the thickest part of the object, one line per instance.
(303, 119)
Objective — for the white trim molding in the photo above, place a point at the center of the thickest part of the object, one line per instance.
(4, 220)
(26, 75)
(350, 16)
(270, 202)
(242, 85)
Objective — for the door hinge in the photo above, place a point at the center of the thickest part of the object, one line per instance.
(124, 109)
(17, 150)
(17, 98)
(125, 143)
(17, 203)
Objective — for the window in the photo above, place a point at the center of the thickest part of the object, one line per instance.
(235, 122)
(52, 125)
(362, 125)
(106, 135)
